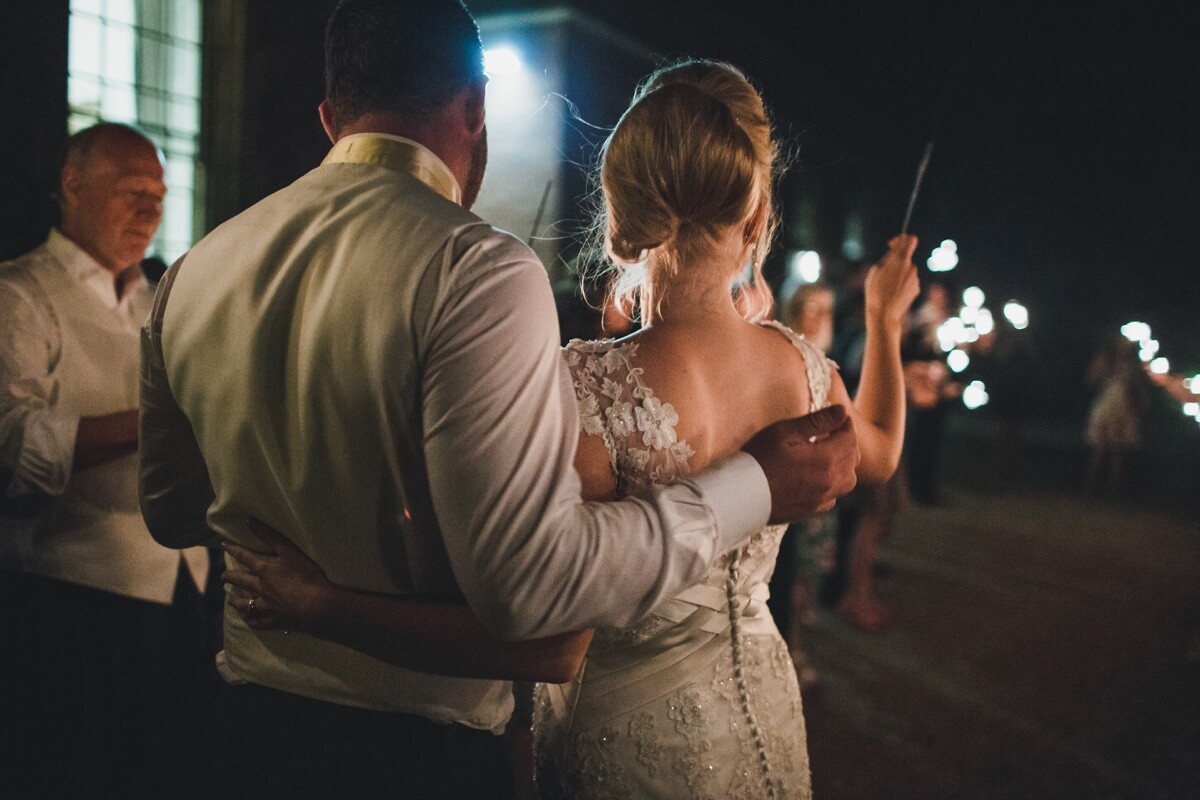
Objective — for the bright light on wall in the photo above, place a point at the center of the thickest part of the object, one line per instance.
(500, 62)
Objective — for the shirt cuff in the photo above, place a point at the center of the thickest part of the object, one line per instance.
(736, 491)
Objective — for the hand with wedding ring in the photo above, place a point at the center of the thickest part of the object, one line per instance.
(281, 589)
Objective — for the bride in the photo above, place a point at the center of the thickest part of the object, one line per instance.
(700, 698)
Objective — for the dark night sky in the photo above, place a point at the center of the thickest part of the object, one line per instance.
(1066, 151)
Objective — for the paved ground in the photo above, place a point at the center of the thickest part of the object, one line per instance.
(1038, 643)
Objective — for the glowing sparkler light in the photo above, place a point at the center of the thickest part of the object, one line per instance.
(969, 314)
(805, 265)
(958, 360)
(1192, 384)
(975, 395)
(1135, 331)
(973, 297)
(951, 333)
(984, 322)
(1192, 409)
(1016, 314)
(1160, 366)
(1149, 349)
(944, 257)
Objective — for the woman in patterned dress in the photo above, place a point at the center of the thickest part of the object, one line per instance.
(700, 698)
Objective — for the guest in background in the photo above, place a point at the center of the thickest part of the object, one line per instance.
(807, 551)
(1114, 417)
(866, 515)
(931, 389)
(104, 629)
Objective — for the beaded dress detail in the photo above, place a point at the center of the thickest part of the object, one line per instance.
(699, 699)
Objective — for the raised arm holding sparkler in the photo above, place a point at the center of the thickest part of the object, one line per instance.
(878, 406)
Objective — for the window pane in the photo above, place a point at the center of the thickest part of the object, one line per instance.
(118, 104)
(119, 54)
(184, 117)
(84, 52)
(152, 63)
(187, 21)
(120, 11)
(185, 71)
(179, 172)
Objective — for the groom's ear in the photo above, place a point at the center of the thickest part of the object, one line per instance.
(326, 114)
(473, 108)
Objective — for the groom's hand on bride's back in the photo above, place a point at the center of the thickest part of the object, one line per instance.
(809, 462)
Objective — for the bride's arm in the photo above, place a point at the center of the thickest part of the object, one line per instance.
(878, 407)
(291, 592)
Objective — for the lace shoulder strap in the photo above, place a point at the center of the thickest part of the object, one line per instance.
(816, 365)
(591, 364)
(637, 429)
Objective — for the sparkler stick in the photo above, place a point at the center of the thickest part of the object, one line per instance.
(912, 199)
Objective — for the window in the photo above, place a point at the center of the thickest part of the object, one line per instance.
(138, 62)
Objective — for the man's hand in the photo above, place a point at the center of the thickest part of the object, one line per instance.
(809, 462)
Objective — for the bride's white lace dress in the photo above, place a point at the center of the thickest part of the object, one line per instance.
(700, 698)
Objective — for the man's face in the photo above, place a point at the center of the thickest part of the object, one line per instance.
(113, 201)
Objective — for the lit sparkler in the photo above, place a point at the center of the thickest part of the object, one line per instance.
(975, 395)
(1148, 347)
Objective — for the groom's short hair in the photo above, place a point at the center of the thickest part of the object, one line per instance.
(406, 57)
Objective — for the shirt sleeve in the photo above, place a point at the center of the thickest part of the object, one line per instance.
(173, 482)
(37, 436)
(501, 430)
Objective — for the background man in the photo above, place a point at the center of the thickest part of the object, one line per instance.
(371, 368)
(102, 624)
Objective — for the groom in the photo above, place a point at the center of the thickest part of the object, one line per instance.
(361, 362)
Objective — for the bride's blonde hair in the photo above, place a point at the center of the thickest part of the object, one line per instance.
(692, 157)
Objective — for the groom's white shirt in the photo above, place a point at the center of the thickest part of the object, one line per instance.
(372, 369)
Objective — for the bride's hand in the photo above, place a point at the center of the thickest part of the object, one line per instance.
(280, 589)
(892, 284)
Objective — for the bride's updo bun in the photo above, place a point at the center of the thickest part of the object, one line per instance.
(691, 158)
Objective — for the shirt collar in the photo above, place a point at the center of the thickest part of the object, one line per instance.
(400, 154)
(81, 267)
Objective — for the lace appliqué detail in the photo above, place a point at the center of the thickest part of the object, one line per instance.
(648, 744)
(637, 428)
(686, 709)
(599, 769)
